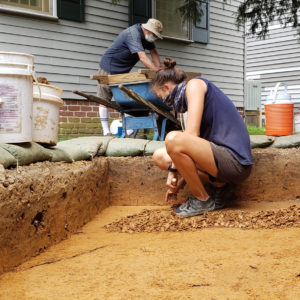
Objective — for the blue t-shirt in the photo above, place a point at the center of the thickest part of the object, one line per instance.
(222, 124)
(122, 55)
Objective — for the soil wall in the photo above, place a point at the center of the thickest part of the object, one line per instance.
(42, 204)
(275, 176)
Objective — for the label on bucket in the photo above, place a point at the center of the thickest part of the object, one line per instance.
(10, 109)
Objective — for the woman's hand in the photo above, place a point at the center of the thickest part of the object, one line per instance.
(174, 185)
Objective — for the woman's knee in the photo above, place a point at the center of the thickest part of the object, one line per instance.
(156, 156)
(174, 141)
(159, 157)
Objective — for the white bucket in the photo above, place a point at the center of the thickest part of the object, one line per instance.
(16, 71)
(46, 113)
(297, 123)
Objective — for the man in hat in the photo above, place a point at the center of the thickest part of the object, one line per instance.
(128, 48)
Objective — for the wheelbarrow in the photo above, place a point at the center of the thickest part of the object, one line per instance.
(138, 101)
(140, 114)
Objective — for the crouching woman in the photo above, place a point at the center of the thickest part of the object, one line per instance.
(214, 147)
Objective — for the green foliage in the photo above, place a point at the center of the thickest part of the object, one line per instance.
(256, 130)
(261, 13)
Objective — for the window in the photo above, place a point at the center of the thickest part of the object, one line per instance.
(36, 5)
(165, 11)
(64, 9)
(171, 19)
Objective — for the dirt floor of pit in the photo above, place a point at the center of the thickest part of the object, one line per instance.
(211, 263)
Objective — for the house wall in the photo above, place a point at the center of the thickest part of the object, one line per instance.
(67, 52)
(275, 59)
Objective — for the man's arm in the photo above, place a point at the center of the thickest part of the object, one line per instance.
(155, 57)
(146, 61)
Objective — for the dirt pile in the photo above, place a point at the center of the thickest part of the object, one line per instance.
(164, 220)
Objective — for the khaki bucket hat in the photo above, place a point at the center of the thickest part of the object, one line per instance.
(155, 27)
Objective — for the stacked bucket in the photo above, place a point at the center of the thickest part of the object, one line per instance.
(28, 111)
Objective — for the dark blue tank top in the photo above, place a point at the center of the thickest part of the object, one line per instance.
(222, 124)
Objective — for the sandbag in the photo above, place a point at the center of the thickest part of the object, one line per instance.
(27, 153)
(152, 146)
(289, 141)
(105, 141)
(126, 147)
(59, 155)
(82, 148)
(261, 141)
(6, 159)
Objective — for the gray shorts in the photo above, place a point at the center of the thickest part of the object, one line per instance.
(229, 169)
(104, 90)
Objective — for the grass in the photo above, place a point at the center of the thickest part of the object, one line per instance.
(65, 138)
(256, 130)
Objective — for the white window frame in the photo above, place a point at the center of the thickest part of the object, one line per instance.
(30, 12)
(188, 39)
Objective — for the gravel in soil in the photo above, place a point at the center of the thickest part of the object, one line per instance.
(162, 220)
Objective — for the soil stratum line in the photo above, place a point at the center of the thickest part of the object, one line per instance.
(62, 258)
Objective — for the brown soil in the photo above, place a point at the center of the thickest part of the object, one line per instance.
(43, 203)
(210, 263)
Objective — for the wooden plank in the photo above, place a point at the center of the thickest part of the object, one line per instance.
(150, 74)
(150, 105)
(111, 104)
(103, 79)
(119, 78)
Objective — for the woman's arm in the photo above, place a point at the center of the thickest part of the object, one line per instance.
(195, 94)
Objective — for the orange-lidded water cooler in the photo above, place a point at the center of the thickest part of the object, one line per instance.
(279, 112)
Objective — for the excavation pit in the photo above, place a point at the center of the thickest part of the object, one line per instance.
(45, 203)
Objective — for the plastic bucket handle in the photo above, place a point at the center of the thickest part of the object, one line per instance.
(32, 72)
(276, 88)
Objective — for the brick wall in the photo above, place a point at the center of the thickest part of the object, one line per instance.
(81, 118)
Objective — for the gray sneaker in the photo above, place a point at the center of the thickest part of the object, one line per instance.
(222, 194)
(194, 207)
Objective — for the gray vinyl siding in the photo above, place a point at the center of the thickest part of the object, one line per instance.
(275, 59)
(67, 52)
(222, 59)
